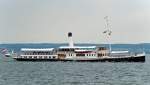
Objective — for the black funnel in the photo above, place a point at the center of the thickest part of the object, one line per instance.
(69, 34)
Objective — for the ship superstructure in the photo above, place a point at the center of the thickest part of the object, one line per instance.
(36, 54)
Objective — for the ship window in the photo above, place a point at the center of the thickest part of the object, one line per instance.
(39, 53)
(47, 53)
(99, 54)
(43, 53)
(80, 54)
(33, 53)
(29, 53)
(53, 56)
(45, 57)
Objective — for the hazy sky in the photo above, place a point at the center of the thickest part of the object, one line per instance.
(49, 21)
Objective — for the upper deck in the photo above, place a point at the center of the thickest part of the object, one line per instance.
(36, 49)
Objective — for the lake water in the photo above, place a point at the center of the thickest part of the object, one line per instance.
(73, 73)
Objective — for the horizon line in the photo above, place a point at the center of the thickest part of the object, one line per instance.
(67, 43)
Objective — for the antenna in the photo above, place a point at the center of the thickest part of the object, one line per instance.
(108, 31)
(108, 27)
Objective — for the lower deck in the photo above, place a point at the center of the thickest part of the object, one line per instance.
(36, 57)
(107, 59)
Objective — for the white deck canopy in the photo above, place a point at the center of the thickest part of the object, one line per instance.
(37, 49)
(120, 52)
(84, 47)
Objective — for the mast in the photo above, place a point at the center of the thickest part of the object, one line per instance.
(108, 32)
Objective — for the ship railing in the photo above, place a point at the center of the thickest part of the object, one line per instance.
(131, 54)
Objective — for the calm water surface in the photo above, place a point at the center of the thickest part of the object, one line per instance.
(73, 73)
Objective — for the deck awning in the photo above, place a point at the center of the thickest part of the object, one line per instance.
(80, 47)
(37, 49)
(120, 52)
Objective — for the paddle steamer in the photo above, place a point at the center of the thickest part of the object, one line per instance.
(78, 53)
